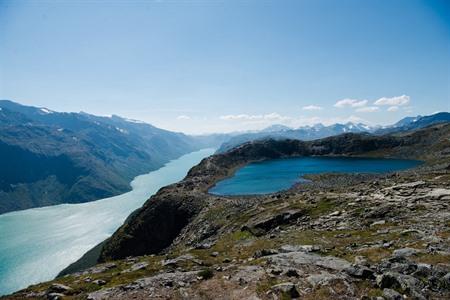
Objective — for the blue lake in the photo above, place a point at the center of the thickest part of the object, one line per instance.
(280, 174)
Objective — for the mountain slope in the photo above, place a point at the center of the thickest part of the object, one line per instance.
(343, 236)
(48, 157)
(412, 123)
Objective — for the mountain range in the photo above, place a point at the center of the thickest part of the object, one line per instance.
(318, 131)
(49, 157)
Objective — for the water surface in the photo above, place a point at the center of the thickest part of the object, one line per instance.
(279, 174)
(36, 244)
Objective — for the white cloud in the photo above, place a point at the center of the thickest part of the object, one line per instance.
(312, 107)
(254, 122)
(350, 103)
(393, 101)
(183, 117)
(367, 109)
(245, 117)
(392, 108)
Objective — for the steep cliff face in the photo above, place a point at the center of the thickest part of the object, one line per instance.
(166, 214)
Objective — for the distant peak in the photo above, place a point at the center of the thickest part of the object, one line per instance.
(276, 127)
(46, 111)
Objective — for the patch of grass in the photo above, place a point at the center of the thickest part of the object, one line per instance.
(265, 285)
(432, 258)
(206, 274)
(324, 206)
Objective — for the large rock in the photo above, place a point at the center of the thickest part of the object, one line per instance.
(259, 227)
(390, 294)
(298, 259)
(323, 278)
(398, 281)
(286, 289)
(405, 252)
(59, 288)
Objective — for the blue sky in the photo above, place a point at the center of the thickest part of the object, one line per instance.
(210, 66)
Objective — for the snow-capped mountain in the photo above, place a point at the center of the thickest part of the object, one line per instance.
(319, 130)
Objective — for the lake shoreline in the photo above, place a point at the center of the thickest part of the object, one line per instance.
(69, 230)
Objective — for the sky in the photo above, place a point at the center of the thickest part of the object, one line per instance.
(221, 66)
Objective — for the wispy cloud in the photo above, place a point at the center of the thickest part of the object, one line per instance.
(247, 121)
(246, 117)
(350, 103)
(393, 104)
(393, 101)
(368, 109)
(183, 117)
(392, 108)
(312, 107)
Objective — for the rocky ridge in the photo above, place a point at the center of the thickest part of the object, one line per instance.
(339, 236)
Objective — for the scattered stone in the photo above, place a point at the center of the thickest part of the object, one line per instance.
(405, 252)
(388, 244)
(261, 226)
(388, 280)
(292, 273)
(99, 282)
(335, 213)
(302, 248)
(439, 193)
(359, 271)
(379, 212)
(215, 254)
(423, 270)
(286, 288)
(381, 222)
(265, 252)
(399, 281)
(409, 185)
(445, 282)
(55, 296)
(204, 246)
(276, 271)
(343, 235)
(321, 279)
(174, 262)
(58, 288)
(361, 260)
(100, 269)
(294, 259)
(390, 294)
(138, 266)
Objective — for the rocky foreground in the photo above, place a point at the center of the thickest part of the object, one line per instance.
(339, 236)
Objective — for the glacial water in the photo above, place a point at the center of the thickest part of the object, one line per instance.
(279, 174)
(36, 244)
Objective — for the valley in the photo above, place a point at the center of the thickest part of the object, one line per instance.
(339, 235)
(224, 150)
(49, 158)
(36, 244)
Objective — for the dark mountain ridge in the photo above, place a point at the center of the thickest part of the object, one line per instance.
(49, 157)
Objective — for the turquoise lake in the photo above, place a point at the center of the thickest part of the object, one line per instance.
(36, 244)
(280, 174)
